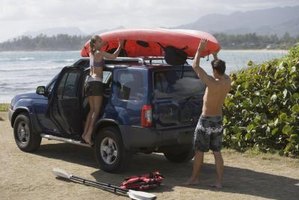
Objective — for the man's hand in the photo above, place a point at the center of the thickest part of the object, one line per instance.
(196, 63)
(215, 55)
(202, 45)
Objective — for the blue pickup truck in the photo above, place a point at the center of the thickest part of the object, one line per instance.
(149, 106)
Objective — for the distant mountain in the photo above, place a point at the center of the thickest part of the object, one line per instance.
(263, 22)
(66, 30)
(106, 30)
(56, 31)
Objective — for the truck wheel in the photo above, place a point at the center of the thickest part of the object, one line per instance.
(179, 156)
(110, 153)
(25, 138)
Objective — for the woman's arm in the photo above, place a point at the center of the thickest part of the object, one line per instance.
(116, 52)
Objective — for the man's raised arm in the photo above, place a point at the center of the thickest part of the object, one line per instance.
(196, 63)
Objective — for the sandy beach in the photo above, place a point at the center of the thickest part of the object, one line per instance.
(29, 176)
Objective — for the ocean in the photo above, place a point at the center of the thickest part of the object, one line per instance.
(23, 71)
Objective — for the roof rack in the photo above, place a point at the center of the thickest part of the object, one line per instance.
(124, 59)
(84, 62)
(140, 60)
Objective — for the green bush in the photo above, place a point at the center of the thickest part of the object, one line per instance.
(4, 107)
(262, 109)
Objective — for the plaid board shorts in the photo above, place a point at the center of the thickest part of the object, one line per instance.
(208, 134)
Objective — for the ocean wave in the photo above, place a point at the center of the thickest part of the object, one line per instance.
(23, 69)
(20, 82)
(71, 60)
(22, 89)
(21, 86)
(26, 58)
(13, 59)
(2, 85)
(5, 59)
(37, 59)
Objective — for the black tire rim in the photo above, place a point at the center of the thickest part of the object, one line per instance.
(23, 133)
(109, 150)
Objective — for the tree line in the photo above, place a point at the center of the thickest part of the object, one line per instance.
(254, 41)
(60, 42)
(64, 42)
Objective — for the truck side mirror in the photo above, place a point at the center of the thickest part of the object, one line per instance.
(41, 90)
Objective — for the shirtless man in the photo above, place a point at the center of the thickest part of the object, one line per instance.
(208, 132)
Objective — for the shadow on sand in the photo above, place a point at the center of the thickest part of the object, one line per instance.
(236, 180)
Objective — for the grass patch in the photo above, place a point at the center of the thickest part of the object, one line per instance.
(4, 107)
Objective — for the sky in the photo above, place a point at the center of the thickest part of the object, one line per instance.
(20, 16)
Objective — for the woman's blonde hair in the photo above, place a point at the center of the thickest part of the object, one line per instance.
(92, 44)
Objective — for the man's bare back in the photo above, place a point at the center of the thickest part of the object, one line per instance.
(214, 96)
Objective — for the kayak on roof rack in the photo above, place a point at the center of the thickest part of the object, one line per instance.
(156, 42)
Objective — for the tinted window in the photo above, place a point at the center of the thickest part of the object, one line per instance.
(177, 84)
(129, 85)
(68, 85)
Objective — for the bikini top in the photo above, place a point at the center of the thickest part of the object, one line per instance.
(96, 64)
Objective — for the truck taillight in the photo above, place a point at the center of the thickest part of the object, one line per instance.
(146, 116)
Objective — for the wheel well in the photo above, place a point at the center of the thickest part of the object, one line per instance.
(105, 124)
(16, 113)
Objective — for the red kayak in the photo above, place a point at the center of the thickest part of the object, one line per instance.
(151, 42)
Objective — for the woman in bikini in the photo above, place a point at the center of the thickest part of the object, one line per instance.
(94, 85)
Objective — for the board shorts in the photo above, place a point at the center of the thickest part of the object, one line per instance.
(94, 88)
(208, 134)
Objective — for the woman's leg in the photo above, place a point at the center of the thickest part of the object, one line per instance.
(96, 103)
(89, 116)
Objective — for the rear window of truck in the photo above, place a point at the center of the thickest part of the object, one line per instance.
(177, 84)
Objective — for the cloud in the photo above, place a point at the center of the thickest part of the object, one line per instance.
(19, 16)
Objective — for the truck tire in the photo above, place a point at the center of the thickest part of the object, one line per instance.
(179, 156)
(110, 153)
(26, 139)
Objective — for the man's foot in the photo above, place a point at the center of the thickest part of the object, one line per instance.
(192, 182)
(216, 186)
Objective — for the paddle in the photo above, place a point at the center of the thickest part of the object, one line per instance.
(138, 195)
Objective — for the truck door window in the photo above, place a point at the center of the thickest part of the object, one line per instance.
(68, 85)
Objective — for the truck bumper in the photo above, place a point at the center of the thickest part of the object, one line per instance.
(139, 137)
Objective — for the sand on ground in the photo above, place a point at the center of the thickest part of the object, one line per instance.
(29, 175)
